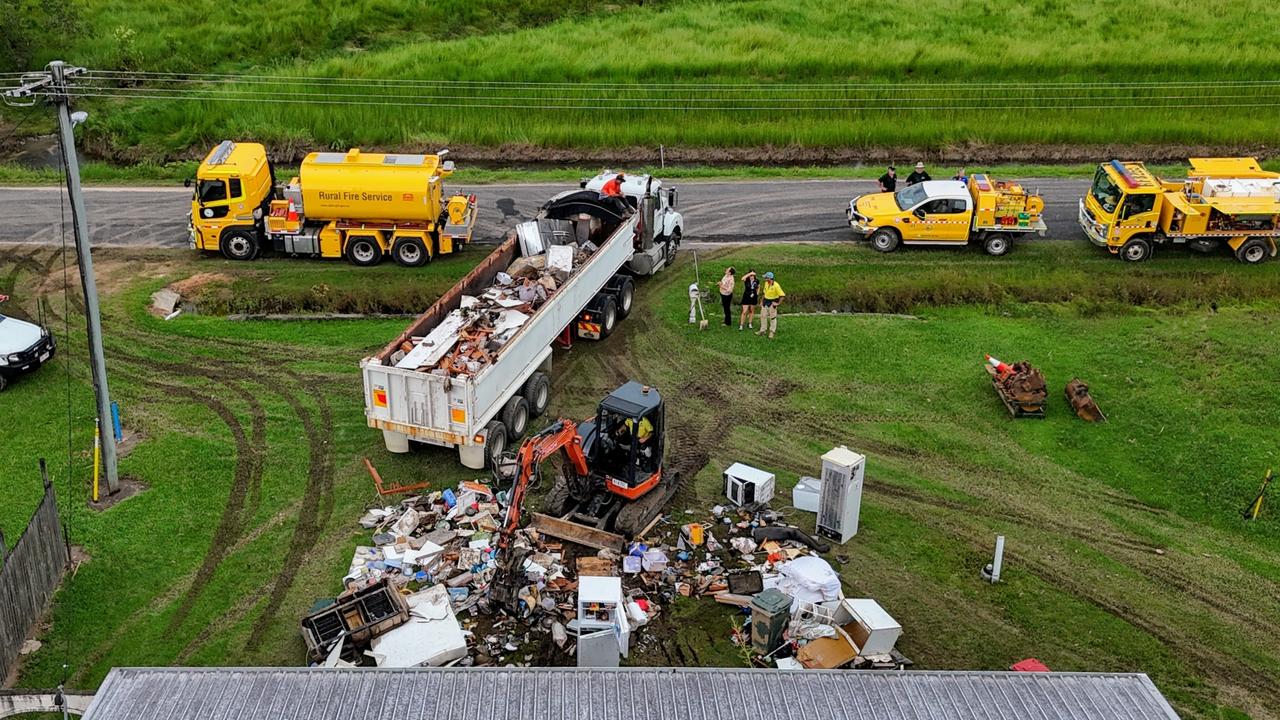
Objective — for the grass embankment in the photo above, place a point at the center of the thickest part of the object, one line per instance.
(1126, 550)
(931, 76)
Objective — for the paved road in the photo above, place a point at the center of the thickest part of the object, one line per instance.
(714, 211)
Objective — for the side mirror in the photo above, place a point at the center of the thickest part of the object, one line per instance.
(672, 197)
(918, 212)
(186, 182)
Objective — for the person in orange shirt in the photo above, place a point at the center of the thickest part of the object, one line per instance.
(613, 186)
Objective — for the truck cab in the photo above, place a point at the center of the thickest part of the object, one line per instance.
(947, 212)
(232, 190)
(1229, 202)
(661, 238)
(1123, 204)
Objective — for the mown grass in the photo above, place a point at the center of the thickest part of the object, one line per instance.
(778, 42)
(1185, 382)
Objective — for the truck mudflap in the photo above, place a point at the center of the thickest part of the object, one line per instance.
(1092, 229)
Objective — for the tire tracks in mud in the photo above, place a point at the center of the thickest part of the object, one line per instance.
(250, 451)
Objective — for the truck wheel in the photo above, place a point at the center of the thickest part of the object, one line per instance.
(515, 415)
(626, 295)
(495, 443)
(885, 240)
(4, 383)
(997, 244)
(1254, 251)
(673, 246)
(363, 251)
(239, 244)
(608, 317)
(537, 390)
(1136, 250)
(410, 252)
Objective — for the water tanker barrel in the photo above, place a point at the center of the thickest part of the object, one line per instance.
(371, 186)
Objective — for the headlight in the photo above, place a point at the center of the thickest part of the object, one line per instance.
(14, 358)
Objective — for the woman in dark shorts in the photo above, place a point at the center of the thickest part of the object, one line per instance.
(750, 298)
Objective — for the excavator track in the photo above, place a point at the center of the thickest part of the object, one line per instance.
(635, 515)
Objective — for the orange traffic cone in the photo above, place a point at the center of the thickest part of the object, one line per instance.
(998, 365)
(293, 212)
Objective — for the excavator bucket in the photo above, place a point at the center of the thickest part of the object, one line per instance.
(1077, 392)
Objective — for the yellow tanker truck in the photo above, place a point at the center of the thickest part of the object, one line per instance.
(361, 206)
(1223, 201)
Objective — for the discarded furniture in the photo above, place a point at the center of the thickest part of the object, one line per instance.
(356, 616)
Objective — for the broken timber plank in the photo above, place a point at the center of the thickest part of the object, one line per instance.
(573, 532)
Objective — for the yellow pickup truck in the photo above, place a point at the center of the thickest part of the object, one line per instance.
(948, 212)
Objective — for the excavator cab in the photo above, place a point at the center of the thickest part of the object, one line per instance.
(627, 446)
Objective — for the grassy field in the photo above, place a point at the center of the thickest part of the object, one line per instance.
(1126, 550)
(781, 73)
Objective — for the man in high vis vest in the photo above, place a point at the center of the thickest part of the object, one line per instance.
(771, 295)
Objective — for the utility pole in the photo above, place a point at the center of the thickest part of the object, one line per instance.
(53, 84)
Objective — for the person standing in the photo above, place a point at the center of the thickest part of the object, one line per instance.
(889, 180)
(726, 295)
(750, 298)
(918, 175)
(772, 297)
(961, 175)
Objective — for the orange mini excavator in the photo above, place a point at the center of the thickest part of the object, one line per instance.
(612, 483)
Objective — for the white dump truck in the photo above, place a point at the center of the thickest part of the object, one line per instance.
(472, 370)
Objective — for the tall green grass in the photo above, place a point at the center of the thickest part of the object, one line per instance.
(784, 43)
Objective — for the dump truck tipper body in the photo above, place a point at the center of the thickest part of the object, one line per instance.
(1223, 201)
(948, 212)
(431, 386)
(353, 205)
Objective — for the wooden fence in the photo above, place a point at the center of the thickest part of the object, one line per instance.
(29, 573)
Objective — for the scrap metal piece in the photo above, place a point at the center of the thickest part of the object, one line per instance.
(1077, 392)
(1021, 387)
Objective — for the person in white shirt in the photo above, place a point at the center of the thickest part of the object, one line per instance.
(726, 295)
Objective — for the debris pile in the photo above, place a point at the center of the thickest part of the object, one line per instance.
(419, 593)
(1021, 387)
(469, 338)
(1077, 392)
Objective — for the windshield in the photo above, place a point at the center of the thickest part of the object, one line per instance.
(1105, 191)
(211, 191)
(909, 196)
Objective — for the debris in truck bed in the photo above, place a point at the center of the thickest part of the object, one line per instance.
(470, 337)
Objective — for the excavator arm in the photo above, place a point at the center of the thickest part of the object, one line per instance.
(561, 436)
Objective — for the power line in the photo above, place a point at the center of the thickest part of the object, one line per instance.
(275, 95)
(246, 78)
(395, 102)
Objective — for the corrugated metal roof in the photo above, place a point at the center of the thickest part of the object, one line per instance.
(619, 694)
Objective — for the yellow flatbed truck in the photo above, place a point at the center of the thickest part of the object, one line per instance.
(948, 212)
(353, 205)
(1228, 202)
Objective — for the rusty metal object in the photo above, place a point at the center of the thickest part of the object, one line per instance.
(1021, 388)
(1077, 392)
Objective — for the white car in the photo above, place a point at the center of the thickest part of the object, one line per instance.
(24, 346)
